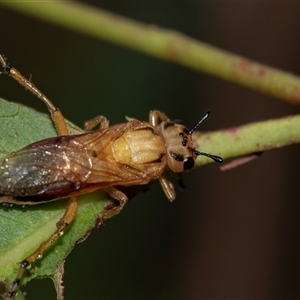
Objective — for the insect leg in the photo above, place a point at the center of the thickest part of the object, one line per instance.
(167, 187)
(100, 120)
(56, 115)
(165, 183)
(61, 225)
(154, 115)
(117, 195)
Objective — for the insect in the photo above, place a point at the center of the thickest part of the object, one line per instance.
(132, 153)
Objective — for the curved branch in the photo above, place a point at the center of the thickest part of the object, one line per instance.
(165, 44)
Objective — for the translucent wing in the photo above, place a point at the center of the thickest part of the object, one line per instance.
(60, 166)
(50, 166)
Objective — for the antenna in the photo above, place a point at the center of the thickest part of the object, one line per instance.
(216, 158)
(203, 118)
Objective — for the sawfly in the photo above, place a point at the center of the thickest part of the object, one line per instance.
(66, 166)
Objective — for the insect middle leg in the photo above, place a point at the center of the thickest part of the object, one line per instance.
(118, 196)
(103, 122)
(38, 253)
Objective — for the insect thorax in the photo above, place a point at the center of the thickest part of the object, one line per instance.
(141, 148)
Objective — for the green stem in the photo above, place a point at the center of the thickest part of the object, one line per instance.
(165, 44)
(249, 138)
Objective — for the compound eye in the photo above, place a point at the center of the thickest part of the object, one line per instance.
(188, 163)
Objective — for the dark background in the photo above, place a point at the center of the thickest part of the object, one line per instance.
(228, 235)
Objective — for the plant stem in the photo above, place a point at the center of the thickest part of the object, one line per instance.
(249, 138)
(165, 44)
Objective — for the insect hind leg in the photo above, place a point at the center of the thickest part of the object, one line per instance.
(56, 115)
(61, 225)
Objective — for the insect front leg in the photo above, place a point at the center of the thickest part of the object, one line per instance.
(167, 187)
(57, 117)
(103, 122)
(165, 183)
(154, 115)
(61, 225)
(117, 195)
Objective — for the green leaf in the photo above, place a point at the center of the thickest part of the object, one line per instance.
(23, 229)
